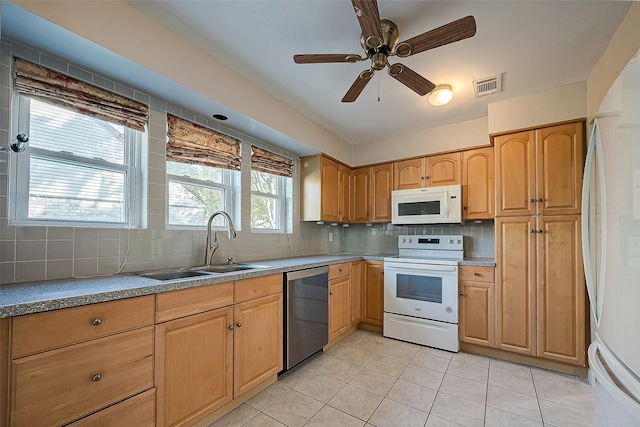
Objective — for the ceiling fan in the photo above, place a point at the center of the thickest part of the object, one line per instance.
(380, 41)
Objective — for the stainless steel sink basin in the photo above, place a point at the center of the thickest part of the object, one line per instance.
(229, 268)
(172, 275)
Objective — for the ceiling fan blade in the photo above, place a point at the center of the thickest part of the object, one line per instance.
(411, 79)
(358, 86)
(369, 20)
(454, 31)
(326, 57)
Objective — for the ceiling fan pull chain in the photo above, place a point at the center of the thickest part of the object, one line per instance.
(378, 79)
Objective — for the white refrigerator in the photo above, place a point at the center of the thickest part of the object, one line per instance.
(611, 248)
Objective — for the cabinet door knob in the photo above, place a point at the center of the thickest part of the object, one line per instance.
(461, 294)
(540, 231)
(533, 231)
(533, 200)
(96, 377)
(97, 321)
(541, 199)
(464, 207)
(239, 324)
(330, 293)
(231, 327)
(426, 177)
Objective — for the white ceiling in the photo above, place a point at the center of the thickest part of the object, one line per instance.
(534, 45)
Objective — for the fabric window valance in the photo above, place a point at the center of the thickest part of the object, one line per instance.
(266, 161)
(192, 143)
(55, 88)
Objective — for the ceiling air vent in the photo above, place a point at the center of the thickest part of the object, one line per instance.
(487, 86)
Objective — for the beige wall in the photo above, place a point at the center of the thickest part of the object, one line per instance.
(623, 45)
(467, 134)
(114, 24)
(555, 105)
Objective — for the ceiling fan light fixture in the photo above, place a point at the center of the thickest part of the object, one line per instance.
(441, 95)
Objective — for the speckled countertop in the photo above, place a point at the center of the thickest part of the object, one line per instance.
(33, 297)
(478, 261)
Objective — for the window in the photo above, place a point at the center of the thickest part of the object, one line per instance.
(268, 201)
(271, 189)
(196, 191)
(76, 169)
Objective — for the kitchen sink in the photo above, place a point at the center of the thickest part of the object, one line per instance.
(172, 275)
(229, 268)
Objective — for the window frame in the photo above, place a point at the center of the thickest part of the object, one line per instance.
(228, 186)
(283, 199)
(20, 169)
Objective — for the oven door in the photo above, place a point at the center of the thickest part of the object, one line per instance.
(421, 290)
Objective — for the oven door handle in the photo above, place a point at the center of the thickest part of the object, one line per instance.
(413, 267)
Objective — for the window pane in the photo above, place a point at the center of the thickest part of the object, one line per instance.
(67, 191)
(57, 129)
(193, 204)
(205, 173)
(264, 213)
(264, 182)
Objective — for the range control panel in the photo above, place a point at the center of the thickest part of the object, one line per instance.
(438, 242)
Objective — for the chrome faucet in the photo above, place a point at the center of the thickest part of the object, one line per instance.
(210, 248)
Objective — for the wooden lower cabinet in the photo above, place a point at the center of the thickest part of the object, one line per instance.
(477, 305)
(355, 293)
(194, 366)
(373, 293)
(540, 287)
(138, 411)
(339, 319)
(257, 342)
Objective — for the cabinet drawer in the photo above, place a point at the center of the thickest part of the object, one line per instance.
(339, 270)
(136, 411)
(476, 274)
(172, 305)
(38, 332)
(63, 385)
(247, 289)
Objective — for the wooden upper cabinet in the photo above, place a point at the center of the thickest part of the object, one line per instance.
(559, 165)
(540, 171)
(408, 174)
(430, 171)
(477, 184)
(361, 198)
(444, 169)
(515, 173)
(330, 191)
(344, 205)
(381, 186)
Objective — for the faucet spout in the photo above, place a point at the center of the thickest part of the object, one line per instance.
(211, 247)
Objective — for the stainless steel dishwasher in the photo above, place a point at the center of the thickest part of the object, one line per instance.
(307, 314)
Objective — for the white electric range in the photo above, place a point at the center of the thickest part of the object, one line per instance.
(421, 291)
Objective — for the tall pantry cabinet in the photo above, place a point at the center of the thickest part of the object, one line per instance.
(540, 290)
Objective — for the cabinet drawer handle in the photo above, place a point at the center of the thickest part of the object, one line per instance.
(476, 274)
(340, 270)
(96, 377)
(239, 324)
(97, 321)
(231, 327)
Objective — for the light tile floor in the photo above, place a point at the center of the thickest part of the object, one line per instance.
(367, 379)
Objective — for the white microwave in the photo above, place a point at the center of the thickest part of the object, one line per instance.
(432, 205)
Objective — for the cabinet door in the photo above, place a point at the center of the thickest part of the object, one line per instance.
(193, 366)
(408, 174)
(381, 177)
(355, 294)
(338, 306)
(477, 313)
(559, 165)
(516, 284)
(330, 194)
(361, 200)
(477, 184)
(561, 294)
(257, 342)
(373, 293)
(444, 169)
(344, 211)
(515, 174)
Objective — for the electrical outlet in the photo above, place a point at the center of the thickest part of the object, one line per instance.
(331, 237)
